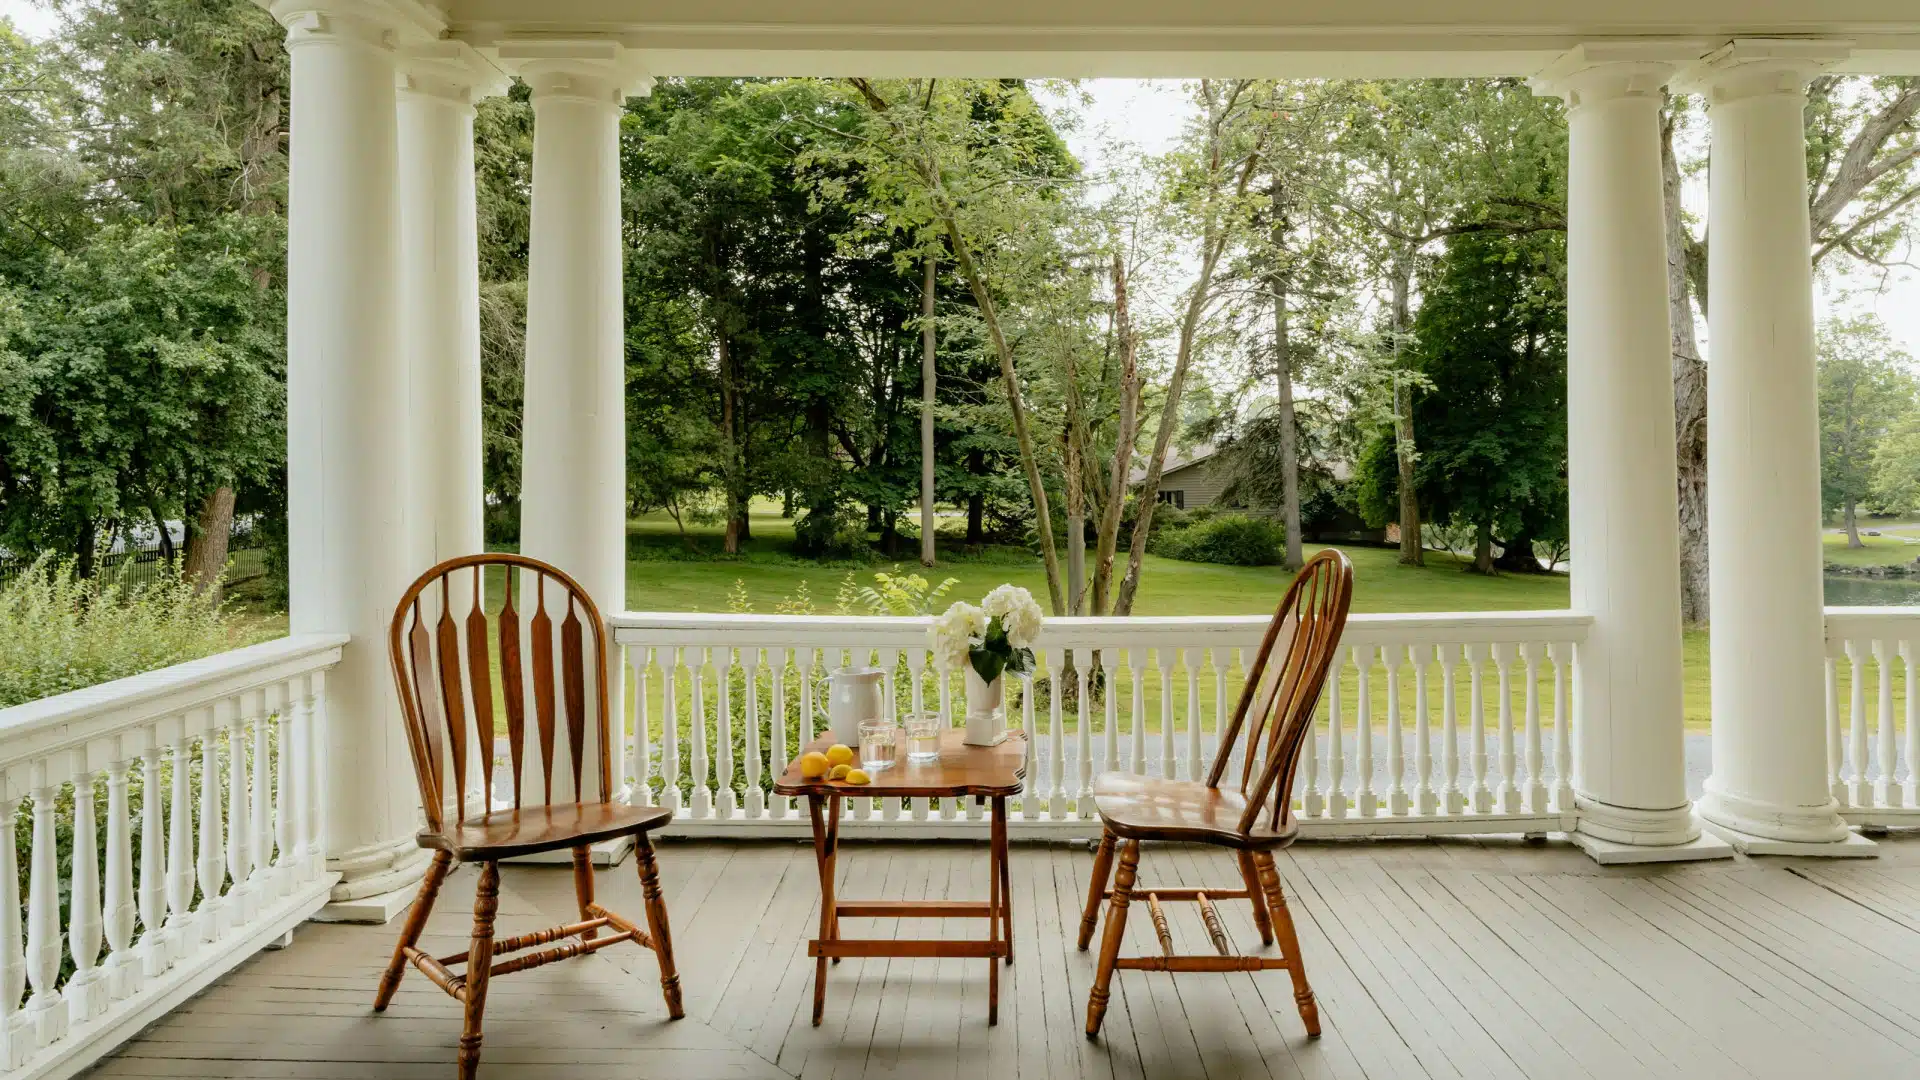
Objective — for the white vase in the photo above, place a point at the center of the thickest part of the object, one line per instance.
(984, 724)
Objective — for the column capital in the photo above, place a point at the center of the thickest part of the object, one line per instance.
(1758, 67)
(383, 24)
(593, 69)
(1606, 70)
(450, 70)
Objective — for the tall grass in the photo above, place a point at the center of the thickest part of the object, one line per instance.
(61, 632)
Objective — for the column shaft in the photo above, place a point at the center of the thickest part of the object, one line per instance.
(347, 447)
(1763, 460)
(1623, 515)
(440, 290)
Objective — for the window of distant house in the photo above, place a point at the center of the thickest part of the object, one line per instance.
(1175, 499)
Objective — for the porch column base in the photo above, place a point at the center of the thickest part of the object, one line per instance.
(1621, 835)
(1756, 828)
(376, 882)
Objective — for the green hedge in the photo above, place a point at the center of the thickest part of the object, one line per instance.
(1231, 539)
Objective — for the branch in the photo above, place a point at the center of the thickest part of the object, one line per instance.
(1853, 231)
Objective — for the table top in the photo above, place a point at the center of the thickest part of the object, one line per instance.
(995, 771)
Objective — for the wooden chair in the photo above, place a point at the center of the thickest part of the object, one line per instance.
(432, 647)
(1275, 712)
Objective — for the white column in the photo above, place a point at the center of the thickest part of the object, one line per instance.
(440, 297)
(573, 455)
(351, 551)
(1630, 774)
(1769, 780)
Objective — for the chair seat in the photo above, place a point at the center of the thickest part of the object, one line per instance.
(1149, 808)
(503, 834)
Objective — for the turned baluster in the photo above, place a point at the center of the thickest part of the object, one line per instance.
(212, 919)
(1164, 658)
(1536, 783)
(1425, 800)
(756, 799)
(86, 991)
(241, 897)
(1886, 789)
(1452, 799)
(265, 881)
(1056, 773)
(1137, 734)
(1565, 656)
(1364, 798)
(1336, 741)
(670, 728)
(156, 941)
(1083, 737)
(639, 765)
(1836, 756)
(702, 791)
(1477, 722)
(182, 932)
(1397, 802)
(1507, 797)
(1190, 767)
(46, 1011)
(117, 901)
(16, 1038)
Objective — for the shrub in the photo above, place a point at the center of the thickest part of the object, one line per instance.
(1232, 539)
(61, 632)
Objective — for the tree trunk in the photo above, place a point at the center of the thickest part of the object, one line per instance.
(1283, 387)
(1851, 511)
(976, 500)
(1517, 556)
(163, 537)
(1689, 396)
(1029, 457)
(1412, 551)
(207, 546)
(929, 381)
(1482, 548)
(83, 549)
(1072, 464)
(1108, 537)
(729, 409)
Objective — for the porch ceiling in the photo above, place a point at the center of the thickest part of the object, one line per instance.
(1147, 38)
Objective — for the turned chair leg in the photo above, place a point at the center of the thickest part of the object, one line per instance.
(1289, 943)
(486, 903)
(1123, 880)
(583, 884)
(1251, 875)
(1102, 871)
(410, 931)
(657, 927)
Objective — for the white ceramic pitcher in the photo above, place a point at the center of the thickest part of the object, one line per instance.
(854, 695)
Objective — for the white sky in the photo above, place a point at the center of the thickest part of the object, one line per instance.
(32, 21)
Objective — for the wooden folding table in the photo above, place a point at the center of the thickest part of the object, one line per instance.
(989, 773)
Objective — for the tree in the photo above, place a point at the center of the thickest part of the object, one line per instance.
(1867, 387)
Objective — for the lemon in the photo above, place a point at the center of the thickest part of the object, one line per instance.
(840, 754)
(814, 765)
(858, 776)
(839, 771)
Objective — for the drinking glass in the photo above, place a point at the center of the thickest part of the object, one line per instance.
(923, 739)
(877, 739)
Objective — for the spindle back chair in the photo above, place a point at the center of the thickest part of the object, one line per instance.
(441, 645)
(1252, 815)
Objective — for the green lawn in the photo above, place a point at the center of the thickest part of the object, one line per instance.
(1887, 549)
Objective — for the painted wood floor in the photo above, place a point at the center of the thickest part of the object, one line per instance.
(1454, 958)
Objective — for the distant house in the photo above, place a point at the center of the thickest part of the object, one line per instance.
(1188, 480)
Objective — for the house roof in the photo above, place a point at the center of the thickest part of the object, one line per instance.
(1176, 459)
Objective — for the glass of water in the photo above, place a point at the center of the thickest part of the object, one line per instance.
(923, 739)
(877, 743)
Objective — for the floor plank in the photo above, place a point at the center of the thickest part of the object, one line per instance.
(1462, 957)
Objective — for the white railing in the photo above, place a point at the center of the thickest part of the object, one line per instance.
(1437, 722)
(1872, 654)
(208, 777)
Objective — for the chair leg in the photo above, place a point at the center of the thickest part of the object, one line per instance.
(1251, 875)
(1102, 871)
(410, 930)
(1116, 929)
(583, 884)
(1289, 943)
(486, 903)
(657, 927)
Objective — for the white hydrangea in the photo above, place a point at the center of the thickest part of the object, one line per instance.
(955, 633)
(1022, 623)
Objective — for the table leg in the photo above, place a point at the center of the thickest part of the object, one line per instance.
(1006, 876)
(824, 836)
(996, 901)
(834, 812)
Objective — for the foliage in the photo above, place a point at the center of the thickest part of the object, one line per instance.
(1867, 392)
(1229, 539)
(61, 632)
(904, 594)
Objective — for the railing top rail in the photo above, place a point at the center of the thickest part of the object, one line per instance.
(1845, 624)
(40, 727)
(705, 628)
